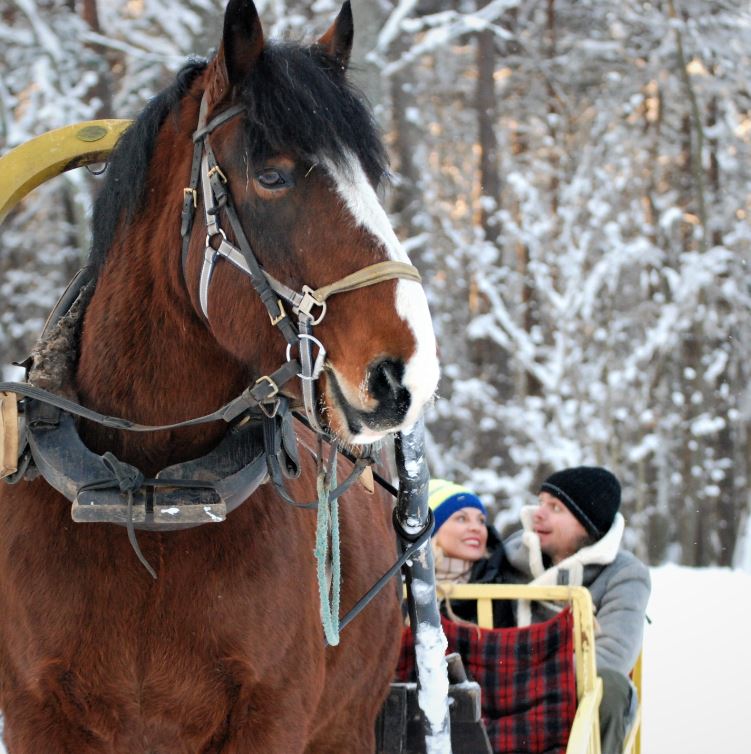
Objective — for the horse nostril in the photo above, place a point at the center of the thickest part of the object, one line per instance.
(385, 380)
(384, 383)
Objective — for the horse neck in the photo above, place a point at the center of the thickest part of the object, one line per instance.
(145, 354)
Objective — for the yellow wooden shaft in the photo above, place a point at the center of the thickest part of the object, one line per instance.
(485, 613)
(36, 161)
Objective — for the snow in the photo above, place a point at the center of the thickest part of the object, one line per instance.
(430, 654)
(696, 658)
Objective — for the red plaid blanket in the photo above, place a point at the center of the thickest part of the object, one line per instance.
(526, 676)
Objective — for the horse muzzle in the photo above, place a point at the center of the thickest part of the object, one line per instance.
(382, 404)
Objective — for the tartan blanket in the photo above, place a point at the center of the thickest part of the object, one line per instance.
(526, 676)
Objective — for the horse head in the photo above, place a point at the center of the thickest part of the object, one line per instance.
(299, 157)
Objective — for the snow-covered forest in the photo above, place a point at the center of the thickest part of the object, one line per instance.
(572, 178)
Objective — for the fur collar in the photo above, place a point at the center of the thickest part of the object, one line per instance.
(602, 552)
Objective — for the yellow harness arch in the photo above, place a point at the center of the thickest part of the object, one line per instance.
(46, 156)
(21, 171)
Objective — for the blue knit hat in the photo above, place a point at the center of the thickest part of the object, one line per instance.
(446, 498)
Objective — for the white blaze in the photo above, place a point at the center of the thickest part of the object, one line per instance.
(421, 371)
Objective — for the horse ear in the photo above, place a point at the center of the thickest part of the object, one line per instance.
(242, 41)
(337, 41)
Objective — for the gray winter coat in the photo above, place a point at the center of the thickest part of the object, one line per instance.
(618, 582)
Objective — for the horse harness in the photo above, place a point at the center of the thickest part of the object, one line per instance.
(105, 489)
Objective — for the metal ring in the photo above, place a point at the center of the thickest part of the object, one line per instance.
(219, 232)
(321, 351)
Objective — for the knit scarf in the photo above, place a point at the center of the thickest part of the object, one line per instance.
(601, 552)
(455, 570)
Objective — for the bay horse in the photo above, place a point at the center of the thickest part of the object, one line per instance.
(224, 651)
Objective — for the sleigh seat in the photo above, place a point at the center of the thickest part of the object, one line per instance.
(540, 693)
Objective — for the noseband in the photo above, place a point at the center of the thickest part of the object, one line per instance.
(309, 305)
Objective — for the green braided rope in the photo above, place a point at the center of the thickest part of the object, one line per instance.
(328, 511)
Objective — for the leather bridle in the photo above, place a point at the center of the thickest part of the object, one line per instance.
(309, 305)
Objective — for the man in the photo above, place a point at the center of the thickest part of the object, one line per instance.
(574, 537)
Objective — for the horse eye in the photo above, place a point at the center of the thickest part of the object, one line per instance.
(271, 179)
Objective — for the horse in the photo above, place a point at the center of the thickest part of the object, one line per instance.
(224, 651)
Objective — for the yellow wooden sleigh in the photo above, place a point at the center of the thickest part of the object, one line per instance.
(585, 732)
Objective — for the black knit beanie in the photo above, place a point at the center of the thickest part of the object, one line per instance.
(591, 493)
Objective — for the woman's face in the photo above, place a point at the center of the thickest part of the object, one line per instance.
(463, 535)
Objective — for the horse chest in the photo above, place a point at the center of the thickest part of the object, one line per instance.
(97, 615)
(160, 668)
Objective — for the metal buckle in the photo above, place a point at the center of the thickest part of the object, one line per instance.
(216, 170)
(282, 313)
(308, 302)
(270, 412)
(193, 193)
(274, 386)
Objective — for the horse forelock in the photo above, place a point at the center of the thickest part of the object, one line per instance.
(299, 102)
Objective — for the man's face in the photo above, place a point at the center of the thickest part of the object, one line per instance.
(559, 531)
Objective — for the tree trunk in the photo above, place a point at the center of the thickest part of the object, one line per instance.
(550, 44)
(406, 137)
(369, 18)
(102, 90)
(487, 116)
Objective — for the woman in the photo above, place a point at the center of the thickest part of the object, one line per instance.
(465, 547)
(460, 535)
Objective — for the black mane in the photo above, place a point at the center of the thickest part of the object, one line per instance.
(122, 194)
(298, 102)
